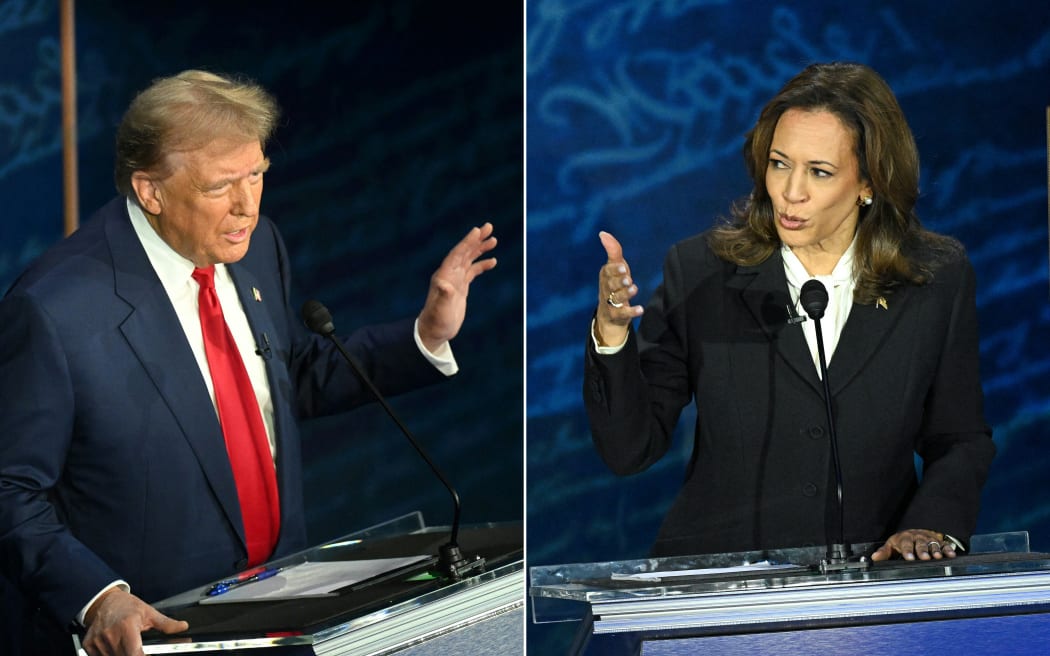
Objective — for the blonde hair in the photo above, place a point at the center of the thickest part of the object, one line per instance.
(185, 112)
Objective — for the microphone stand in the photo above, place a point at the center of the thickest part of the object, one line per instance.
(451, 560)
(839, 556)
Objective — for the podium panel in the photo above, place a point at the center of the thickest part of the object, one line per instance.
(408, 609)
(1017, 635)
(763, 601)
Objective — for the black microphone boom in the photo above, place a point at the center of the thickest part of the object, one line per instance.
(814, 299)
(319, 320)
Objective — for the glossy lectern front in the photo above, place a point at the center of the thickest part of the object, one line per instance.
(995, 599)
(407, 611)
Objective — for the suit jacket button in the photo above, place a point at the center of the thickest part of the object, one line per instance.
(240, 564)
(816, 432)
(809, 489)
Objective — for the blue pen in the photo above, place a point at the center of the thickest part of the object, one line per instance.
(246, 574)
(227, 585)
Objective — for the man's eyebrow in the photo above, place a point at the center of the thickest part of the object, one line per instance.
(261, 167)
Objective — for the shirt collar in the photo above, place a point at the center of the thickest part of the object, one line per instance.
(797, 274)
(174, 270)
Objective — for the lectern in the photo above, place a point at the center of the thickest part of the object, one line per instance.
(408, 610)
(996, 599)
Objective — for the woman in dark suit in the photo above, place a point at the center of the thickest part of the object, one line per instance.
(835, 172)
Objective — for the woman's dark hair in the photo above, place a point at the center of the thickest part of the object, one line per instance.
(891, 245)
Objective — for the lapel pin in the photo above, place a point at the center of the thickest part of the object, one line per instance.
(879, 302)
(258, 297)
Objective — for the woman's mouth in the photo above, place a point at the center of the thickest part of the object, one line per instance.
(790, 222)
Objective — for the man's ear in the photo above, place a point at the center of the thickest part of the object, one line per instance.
(147, 191)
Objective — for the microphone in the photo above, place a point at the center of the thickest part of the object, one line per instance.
(452, 562)
(814, 300)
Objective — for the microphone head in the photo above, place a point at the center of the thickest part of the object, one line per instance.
(814, 298)
(317, 318)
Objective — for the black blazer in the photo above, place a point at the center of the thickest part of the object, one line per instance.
(904, 380)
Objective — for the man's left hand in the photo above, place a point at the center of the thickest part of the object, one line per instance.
(446, 304)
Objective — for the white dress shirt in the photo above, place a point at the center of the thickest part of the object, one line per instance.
(839, 283)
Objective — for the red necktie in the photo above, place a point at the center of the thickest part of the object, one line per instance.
(242, 425)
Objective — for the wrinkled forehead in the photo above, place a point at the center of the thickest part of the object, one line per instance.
(222, 158)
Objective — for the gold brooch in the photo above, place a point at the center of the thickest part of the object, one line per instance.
(881, 302)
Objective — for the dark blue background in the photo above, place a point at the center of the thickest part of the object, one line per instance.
(401, 130)
(635, 116)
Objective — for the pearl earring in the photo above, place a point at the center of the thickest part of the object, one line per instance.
(865, 201)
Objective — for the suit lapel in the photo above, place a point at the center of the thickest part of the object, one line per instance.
(155, 335)
(262, 327)
(865, 329)
(763, 289)
(260, 321)
(247, 286)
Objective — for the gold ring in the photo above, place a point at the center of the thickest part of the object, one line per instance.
(611, 302)
(931, 543)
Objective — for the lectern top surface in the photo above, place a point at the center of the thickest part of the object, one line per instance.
(772, 569)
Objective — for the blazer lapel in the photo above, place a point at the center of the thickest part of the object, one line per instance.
(763, 289)
(864, 331)
(154, 333)
(253, 303)
(266, 337)
(260, 320)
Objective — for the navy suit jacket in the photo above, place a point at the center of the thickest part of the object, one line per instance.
(112, 461)
(904, 381)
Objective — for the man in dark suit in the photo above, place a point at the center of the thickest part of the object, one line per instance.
(119, 482)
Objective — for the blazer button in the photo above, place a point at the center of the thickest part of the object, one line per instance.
(240, 564)
(816, 432)
(809, 489)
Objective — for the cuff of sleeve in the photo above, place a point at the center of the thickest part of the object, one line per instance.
(115, 584)
(444, 361)
(605, 350)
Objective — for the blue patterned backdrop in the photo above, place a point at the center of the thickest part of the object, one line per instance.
(635, 116)
(401, 130)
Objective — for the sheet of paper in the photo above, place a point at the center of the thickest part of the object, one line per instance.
(312, 579)
(761, 566)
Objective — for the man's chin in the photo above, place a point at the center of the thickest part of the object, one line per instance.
(232, 255)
